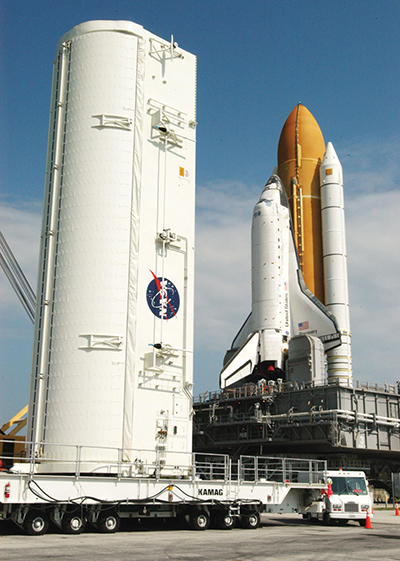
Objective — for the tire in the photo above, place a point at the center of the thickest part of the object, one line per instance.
(108, 522)
(73, 523)
(251, 521)
(326, 519)
(180, 522)
(342, 521)
(199, 520)
(362, 522)
(224, 521)
(36, 523)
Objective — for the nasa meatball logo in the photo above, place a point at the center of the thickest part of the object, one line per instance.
(162, 297)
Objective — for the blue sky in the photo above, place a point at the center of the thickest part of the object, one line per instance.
(256, 60)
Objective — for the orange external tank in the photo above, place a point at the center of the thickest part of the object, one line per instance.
(301, 148)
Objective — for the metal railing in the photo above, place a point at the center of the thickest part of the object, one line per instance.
(213, 467)
(77, 460)
(84, 460)
(270, 388)
(282, 470)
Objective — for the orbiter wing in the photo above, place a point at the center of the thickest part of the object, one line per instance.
(242, 363)
(308, 316)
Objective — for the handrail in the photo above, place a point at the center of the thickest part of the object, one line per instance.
(210, 467)
(271, 388)
(79, 460)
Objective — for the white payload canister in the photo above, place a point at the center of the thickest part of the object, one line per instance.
(112, 355)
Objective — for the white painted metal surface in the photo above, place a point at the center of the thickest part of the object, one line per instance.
(335, 263)
(268, 481)
(306, 362)
(282, 306)
(347, 498)
(270, 272)
(64, 488)
(112, 357)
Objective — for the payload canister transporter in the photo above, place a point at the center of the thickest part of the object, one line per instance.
(309, 261)
(112, 355)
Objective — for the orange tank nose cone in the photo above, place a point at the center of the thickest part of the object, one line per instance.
(300, 129)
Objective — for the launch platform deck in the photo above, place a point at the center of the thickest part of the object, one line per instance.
(353, 427)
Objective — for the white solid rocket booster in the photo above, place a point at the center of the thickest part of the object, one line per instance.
(335, 263)
(112, 355)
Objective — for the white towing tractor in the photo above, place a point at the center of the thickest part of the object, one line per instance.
(346, 498)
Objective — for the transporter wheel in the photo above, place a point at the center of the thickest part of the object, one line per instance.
(251, 521)
(342, 521)
(199, 520)
(362, 522)
(108, 522)
(223, 520)
(36, 523)
(179, 521)
(326, 519)
(73, 523)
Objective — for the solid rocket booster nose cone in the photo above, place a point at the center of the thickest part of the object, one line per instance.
(330, 154)
(331, 168)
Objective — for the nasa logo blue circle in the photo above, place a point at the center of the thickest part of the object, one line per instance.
(162, 297)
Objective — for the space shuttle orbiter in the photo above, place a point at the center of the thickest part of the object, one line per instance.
(282, 305)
